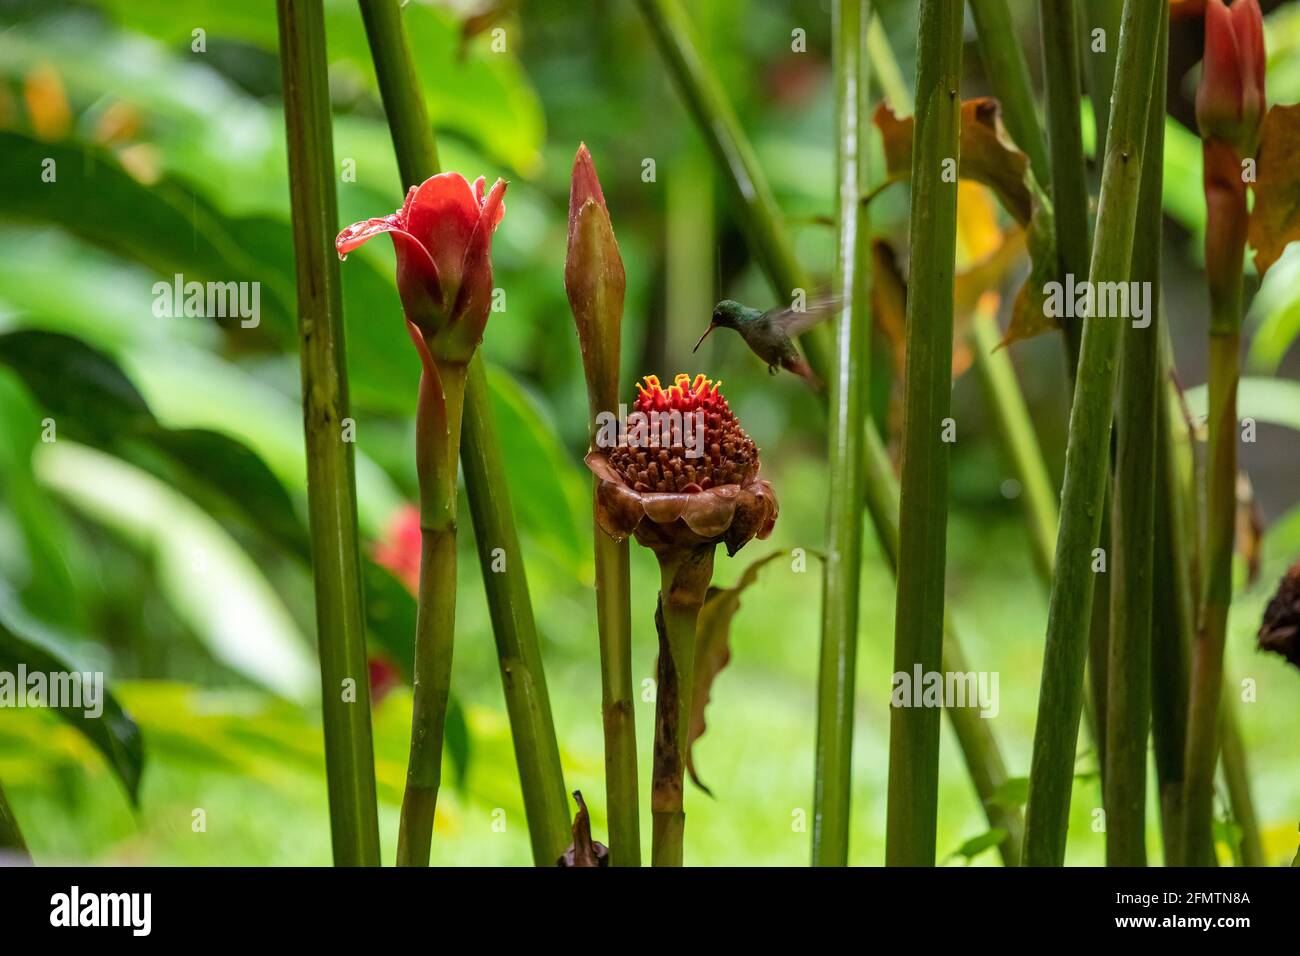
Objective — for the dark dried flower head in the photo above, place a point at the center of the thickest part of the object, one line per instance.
(1280, 630)
(684, 473)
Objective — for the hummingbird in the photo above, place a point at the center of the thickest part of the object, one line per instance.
(770, 335)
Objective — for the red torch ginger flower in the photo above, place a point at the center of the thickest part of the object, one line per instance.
(1230, 97)
(443, 239)
(683, 473)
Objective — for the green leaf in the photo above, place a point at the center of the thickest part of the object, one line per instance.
(977, 845)
(484, 95)
(92, 401)
(113, 731)
(1011, 794)
(1275, 401)
(216, 588)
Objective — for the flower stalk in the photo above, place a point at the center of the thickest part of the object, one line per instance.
(331, 487)
(684, 575)
(913, 803)
(680, 506)
(1088, 451)
(1229, 106)
(848, 396)
(523, 679)
(595, 282)
(1129, 674)
(1069, 182)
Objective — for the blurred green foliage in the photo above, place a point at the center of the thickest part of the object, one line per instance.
(161, 535)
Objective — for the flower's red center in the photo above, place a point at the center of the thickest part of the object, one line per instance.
(685, 439)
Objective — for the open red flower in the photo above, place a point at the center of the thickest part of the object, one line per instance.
(674, 484)
(443, 239)
(1230, 97)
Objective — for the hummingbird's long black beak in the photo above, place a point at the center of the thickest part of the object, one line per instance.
(712, 326)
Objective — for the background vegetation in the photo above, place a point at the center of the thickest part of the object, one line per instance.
(161, 537)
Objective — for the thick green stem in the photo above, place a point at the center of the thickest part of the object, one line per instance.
(848, 397)
(913, 803)
(613, 609)
(1237, 777)
(1007, 72)
(1128, 695)
(437, 440)
(1173, 621)
(1101, 21)
(684, 581)
(537, 754)
(1069, 170)
(331, 488)
(1088, 454)
(1224, 248)
(753, 203)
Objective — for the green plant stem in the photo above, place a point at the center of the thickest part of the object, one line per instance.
(979, 747)
(523, 679)
(1005, 399)
(1237, 777)
(614, 609)
(1065, 139)
(913, 802)
(884, 66)
(1104, 15)
(752, 201)
(437, 441)
(1172, 623)
(331, 487)
(1128, 697)
(1224, 250)
(684, 582)
(1088, 452)
(838, 663)
(1008, 73)
(11, 836)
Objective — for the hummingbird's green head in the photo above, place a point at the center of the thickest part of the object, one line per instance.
(726, 315)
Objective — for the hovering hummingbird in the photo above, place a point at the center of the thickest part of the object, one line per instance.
(770, 335)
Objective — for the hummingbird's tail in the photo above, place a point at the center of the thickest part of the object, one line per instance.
(799, 365)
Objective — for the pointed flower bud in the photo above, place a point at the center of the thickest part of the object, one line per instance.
(443, 239)
(595, 282)
(674, 485)
(1230, 98)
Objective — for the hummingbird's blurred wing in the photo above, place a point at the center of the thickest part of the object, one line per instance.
(796, 322)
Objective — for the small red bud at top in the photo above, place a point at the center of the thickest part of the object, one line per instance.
(1230, 99)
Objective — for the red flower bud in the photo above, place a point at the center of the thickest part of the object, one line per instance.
(1230, 98)
(443, 239)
